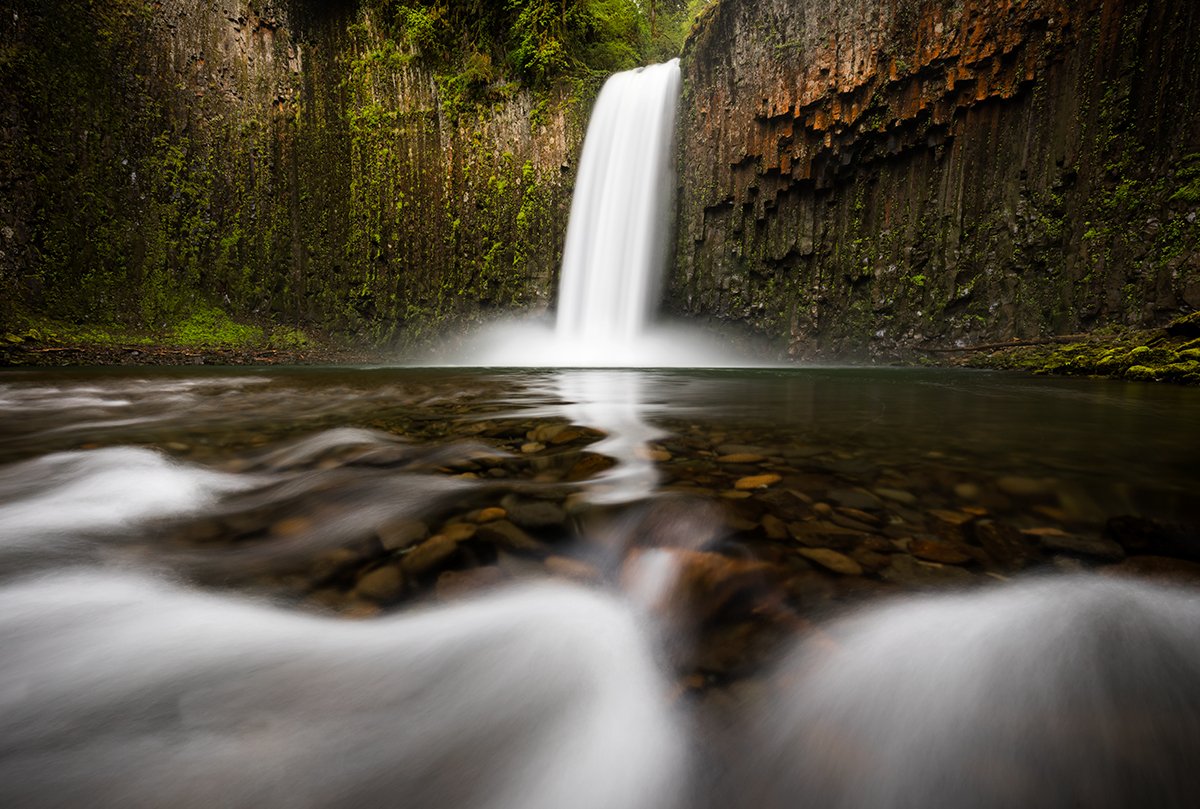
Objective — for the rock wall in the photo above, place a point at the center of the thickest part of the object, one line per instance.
(859, 176)
(285, 161)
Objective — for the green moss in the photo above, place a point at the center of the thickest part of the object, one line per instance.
(288, 337)
(209, 326)
(51, 331)
(1124, 355)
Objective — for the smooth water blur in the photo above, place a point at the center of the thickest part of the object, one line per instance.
(615, 252)
(121, 690)
(620, 214)
(1067, 692)
(177, 548)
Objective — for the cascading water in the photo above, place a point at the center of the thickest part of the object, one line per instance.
(617, 235)
(616, 248)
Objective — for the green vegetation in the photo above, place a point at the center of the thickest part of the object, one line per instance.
(478, 45)
(205, 326)
(210, 326)
(1160, 355)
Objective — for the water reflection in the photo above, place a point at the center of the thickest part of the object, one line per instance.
(614, 402)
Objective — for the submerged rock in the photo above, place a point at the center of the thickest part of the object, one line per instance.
(832, 560)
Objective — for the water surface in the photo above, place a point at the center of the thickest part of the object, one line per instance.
(504, 588)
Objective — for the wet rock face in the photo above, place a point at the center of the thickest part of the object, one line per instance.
(281, 160)
(866, 175)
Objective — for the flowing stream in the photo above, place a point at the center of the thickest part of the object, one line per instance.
(630, 589)
(402, 587)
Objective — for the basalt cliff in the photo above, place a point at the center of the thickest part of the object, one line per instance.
(859, 176)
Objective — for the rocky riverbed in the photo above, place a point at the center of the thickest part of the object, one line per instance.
(363, 493)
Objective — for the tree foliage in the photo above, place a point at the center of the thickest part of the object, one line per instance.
(538, 41)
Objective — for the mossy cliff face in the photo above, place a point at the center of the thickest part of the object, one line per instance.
(284, 162)
(860, 176)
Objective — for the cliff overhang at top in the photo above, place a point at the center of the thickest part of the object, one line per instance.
(864, 175)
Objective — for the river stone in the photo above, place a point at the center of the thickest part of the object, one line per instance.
(490, 513)
(1055, 539)
(429, 555)
(756, 482)
(870, 560)
(955, 518)
(568, 435)
(651, 454)
(458, 531)
(1007, 547)
(544, 433)
(589, 465)
(1141, 536)
(967, 491)
(396, 534)
(906, 570)
(332, 561)
(741, 449)
(897, 495)
(359, 610)
(821, 534)
(861, 516)
(1158, 568)
(291, 527)
(741, 457)
(507, 535)
(1021, 486)
(932, 550)
(532, 447)
(877, 544)
(774, 527)
(838, 518)
(837, 562)
(382, 584)
(856, 498)
(533, 513)
(457, 583)
(571, 568)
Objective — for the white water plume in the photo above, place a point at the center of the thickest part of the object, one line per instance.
(118, 690)
(616, 248)
(1056, 693)
(617, 235)
(64, 496)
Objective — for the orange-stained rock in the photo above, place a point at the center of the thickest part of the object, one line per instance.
(756, 481)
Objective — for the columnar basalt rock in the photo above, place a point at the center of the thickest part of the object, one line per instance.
(285, 161)
(860, 176)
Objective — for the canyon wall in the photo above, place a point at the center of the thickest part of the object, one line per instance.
(287, 162)
(862, 176)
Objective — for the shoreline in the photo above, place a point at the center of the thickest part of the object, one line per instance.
(1169, 354)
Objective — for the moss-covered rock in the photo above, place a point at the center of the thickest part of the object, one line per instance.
(1158, 355)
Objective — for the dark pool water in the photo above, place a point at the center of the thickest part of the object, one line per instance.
(720, 523)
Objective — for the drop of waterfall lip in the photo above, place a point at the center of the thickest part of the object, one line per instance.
(616, 248)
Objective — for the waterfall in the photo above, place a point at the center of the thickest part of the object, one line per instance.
(616, 248)
(617, 235)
